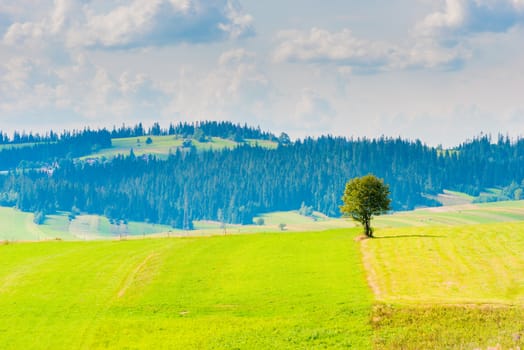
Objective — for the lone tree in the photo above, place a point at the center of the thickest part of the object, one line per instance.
(365, 197)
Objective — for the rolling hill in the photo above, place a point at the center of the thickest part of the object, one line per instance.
(162, 146)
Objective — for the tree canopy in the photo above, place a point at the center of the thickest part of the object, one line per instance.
(365, 197)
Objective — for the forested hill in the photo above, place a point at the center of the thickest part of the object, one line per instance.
(234, 185)
(28, 150)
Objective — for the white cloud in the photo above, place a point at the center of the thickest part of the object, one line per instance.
(181, 5)
(61, 61)
(80, 89)
(343, 48)
(239, 24)
(518, 4)
(462, 17)
(118, 27)
(61, 13)
(441, 40)
(20, 31)
(234, 89)
(321, 45)
(76, 23)
(130, 84)
(451, 17)
(17, 72)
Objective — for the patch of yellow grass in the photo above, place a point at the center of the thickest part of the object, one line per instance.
(476, 264)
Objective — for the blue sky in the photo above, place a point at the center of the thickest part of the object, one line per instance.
(442, 71)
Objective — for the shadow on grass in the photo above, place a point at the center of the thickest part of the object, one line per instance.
(409, 236)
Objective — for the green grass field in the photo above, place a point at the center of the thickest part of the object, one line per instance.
(285, 291)
(441, 278)
(459, 287)
(160, 147)
(457, 215)
(163, 145)
(480, 264)
(18, 226)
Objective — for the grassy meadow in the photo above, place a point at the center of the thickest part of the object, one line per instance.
(163, 145)
(18, 226)
(463, 264)
(459, 287)
(268, 291)
(456, 215)
(439, 278)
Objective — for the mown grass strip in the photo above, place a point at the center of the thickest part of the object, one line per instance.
(464, 264)
(448, 287)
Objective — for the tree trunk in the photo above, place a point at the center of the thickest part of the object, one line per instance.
(367, 229)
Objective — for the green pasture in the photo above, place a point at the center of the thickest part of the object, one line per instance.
(263, 291)
(479, 264)
(466, 214)
(262, 143)
(163, 145)
(18, 226)
(449, 287)
(445, 278)
(160, 147)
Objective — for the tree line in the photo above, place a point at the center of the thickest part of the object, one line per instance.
(235, 185)
(223, 129)
(36, 150)
(53, 148)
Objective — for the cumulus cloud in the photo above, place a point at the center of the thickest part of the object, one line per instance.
(462, 17)
(134, 23)
(343, 48)
(451, 17)
(80, 89)
(16, 73)
(439, 41)
(238, 24)
(319, 45)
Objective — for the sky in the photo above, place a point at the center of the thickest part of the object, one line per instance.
(442, 71)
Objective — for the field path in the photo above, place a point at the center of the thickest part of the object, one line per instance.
(371, 275)
(137, 274)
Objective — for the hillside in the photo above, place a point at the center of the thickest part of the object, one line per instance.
(220, 171)
(162, 146)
